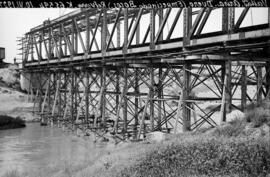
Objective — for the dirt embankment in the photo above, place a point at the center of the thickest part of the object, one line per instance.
(13, 101)
(10, 77)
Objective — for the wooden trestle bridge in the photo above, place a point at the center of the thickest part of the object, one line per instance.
(133, 71)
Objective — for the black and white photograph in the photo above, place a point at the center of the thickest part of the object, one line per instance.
(135, 89)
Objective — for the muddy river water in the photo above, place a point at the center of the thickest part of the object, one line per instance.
(38, 147)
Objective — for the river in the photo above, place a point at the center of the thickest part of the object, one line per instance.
(40, 147)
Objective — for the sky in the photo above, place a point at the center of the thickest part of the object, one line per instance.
(15, 23)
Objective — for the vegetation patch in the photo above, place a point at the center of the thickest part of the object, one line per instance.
(7, 122)
(227, 150)
(258, 113)
(232, 129)
(205, 156)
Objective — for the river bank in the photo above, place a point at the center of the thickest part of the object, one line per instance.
(238, 148)
(15, 104)
(14, 101)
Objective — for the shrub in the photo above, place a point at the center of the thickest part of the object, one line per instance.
(210, 157)
(233, 128)
(7, 122)
(258, 113)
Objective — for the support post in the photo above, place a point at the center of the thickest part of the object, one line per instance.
(142, 124)
(160, 90)
(259, 83)
(75, 96)
(152, 29)
(66, 89)
(104, 32)
(60, 111)
(50, 45)
(56, 97)
(72, 96)
(179, 106)
(152, 74)
(72, 42)
(49, 94)
(231, 19)
(87, 36)
(43, 121)
(103, 96)
(29, 93)
(118, 34)
(125, 102)
(65, 49)
(138, 34)
(244, 88)
(225, 21)
(117, 88)
(185, 97)
(223, 100)
(32, 47)
(60, 43)
(186, 72)
(269, 17)
(228, 98)
(40, 48)
(152, 83)
(125, 31)
(125, 71)
(86, 95)
(136, 89)
(187, 25)
(160, 15)
(76, 38)
(40, 87)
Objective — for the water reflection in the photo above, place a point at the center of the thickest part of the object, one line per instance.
(35, 147)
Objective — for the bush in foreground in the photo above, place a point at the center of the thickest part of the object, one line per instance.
(223, 151)
(7, 122)
(209, 157)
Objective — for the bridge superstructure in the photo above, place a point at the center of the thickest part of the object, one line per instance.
(133, 71)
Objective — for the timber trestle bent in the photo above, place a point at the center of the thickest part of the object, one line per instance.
(127, 72)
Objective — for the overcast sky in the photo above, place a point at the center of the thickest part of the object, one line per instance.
(16, 22)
